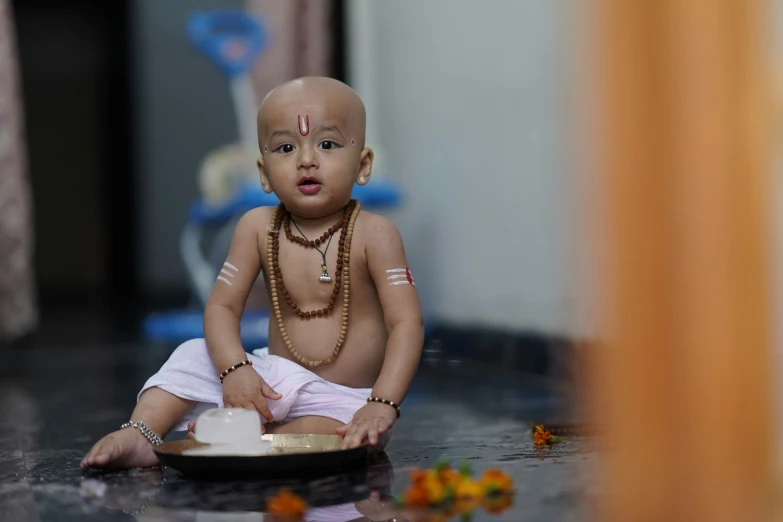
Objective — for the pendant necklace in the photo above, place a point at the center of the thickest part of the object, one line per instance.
(325, 278)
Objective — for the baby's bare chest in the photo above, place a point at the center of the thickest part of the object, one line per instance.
(315, 278)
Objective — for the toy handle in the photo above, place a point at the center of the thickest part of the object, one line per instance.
(231, 39)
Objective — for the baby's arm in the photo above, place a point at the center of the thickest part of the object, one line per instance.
(243, 387)
(226, 303)
(401, 309)
(402, 314)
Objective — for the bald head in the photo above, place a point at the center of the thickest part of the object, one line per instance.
(321, 100)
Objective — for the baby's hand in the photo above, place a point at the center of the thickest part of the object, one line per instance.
(372, 420)
(244, 388)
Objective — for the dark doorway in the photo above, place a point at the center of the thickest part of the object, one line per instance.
(75, 73)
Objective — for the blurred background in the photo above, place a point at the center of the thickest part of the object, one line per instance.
(468, 113)
(126, 156)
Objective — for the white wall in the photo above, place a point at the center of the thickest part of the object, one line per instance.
(468, 109)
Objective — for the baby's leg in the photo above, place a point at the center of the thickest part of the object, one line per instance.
(127, 448)
(308, 424)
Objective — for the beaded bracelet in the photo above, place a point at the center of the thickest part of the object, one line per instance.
(386, 402)
(237, 365)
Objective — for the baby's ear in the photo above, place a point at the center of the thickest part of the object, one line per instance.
(365, 166)
(262, 172)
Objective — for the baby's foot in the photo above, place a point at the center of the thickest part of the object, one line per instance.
(126, 448)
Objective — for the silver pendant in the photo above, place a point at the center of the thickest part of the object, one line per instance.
(325, 275)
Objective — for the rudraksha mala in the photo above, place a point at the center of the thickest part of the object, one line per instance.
(315, 242)
(341, 275)
(284, 217)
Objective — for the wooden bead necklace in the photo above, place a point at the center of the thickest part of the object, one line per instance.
(341, 275)
(314, 243)
(324, 277)
(284, 216)
(342, 224)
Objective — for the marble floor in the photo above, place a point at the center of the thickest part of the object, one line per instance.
(65, 388)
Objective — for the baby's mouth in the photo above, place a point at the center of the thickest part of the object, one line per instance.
(308, 180)
(309, 185)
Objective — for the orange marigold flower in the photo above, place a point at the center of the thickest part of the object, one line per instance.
(416, 496)
(465, 506)
(287, 504)
(426, 488)
(450, 477)
(497, 504)
(541, 437)
(418, 476)
(540, 428)
(468, 489)
(495, 480)
(436, 491)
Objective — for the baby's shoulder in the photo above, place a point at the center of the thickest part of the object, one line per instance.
(257, 218)
(374, 225)
(376, 229)
(254, 224)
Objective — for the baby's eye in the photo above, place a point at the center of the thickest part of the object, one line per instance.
(328, 145)
(285, 148)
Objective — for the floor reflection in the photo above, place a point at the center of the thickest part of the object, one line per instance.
(363, 493)
(58, 399)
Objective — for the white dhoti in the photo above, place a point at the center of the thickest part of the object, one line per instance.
(190, 374)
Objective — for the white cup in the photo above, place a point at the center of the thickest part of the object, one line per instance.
(228, 426)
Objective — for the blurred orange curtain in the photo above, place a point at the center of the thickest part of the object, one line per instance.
(300, 43)
(683, 373)
(18, 314)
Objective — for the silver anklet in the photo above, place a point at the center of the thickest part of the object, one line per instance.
(145, 430)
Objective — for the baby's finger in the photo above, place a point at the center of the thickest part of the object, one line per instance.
(356, 435)
(341, 430)
(191, 435)
(383, 426)
(269, 393)
(348, 437)
(263, 408)
(372, 432)
(191, 425)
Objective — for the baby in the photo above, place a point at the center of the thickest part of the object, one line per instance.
(346, 333)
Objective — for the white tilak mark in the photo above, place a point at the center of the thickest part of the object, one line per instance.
(229, 274)
(221, 278)
(403, 274)
(232, 267)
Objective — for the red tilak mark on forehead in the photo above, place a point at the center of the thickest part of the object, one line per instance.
(304, 125)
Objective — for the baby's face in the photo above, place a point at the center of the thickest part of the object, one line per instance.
(311, 155)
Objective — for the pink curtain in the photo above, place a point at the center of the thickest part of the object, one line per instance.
(300, 41)
(300, 44)
(18, 313)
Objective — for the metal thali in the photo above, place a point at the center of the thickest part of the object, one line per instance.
(289, 455)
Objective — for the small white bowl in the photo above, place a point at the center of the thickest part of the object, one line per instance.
(228, 426)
